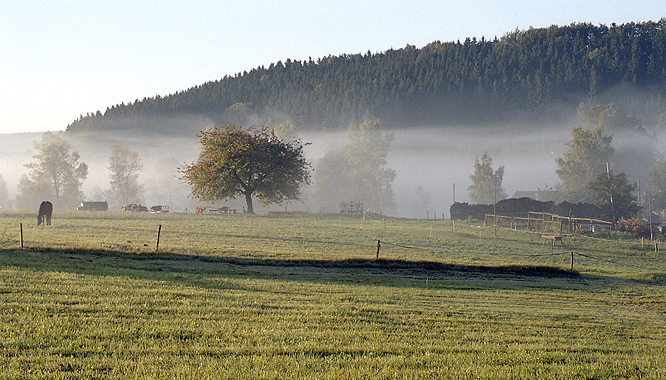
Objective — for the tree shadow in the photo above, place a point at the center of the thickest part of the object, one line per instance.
(199, 270)
(383, 271)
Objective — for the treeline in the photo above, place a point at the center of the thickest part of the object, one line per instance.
(530, 75)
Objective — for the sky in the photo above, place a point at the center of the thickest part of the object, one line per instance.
(62, 59)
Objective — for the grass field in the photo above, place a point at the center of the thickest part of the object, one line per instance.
(303, 296)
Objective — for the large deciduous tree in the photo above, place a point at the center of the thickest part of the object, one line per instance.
(125, 167)
(486, 185)
(57, 174)
(235, 162)
(588, 153)
(614, 195)
(357, 172)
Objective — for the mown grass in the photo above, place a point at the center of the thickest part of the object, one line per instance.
(302, 296)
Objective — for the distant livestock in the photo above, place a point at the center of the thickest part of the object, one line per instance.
(44, 214)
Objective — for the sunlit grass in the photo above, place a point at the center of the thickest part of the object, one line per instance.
(302, 296)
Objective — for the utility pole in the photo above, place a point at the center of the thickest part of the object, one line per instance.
(610, 191)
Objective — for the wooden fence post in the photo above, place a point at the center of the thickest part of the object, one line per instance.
(21, 233)
(572, 259)
(379, 246)
(159, 230)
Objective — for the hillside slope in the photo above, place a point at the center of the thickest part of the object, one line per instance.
(532, 76)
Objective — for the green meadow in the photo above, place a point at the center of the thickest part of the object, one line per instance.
(305, 296)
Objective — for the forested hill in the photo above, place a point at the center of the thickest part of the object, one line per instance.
(535, 75)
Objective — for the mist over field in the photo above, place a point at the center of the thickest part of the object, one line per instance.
(428, 162)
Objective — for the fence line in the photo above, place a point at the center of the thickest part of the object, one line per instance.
(430, 248)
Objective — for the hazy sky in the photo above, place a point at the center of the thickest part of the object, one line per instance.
(61, 59)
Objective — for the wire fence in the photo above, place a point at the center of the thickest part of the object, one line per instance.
(572, 253)
(389, 239)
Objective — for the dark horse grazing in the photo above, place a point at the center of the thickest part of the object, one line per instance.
(45, 211)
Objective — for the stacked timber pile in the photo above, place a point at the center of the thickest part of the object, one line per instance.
(521, 206)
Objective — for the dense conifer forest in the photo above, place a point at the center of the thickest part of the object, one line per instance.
(533, 76)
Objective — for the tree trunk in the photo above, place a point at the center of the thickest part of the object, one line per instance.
(248, 200)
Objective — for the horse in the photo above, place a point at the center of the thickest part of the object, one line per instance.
(44, 215)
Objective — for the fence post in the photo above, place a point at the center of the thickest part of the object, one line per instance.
(572, 259)
(379, 246)
(159, 230)
(21, 233)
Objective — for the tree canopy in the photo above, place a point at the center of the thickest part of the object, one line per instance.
(357, 172)
(534, 73)
(4, 193)
(125, 166)
(486, 187)
(614, 195)
(56, 174)
(235, 162)
(657, 185)
(588, 154)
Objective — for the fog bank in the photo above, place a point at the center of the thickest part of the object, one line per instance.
(428, 162)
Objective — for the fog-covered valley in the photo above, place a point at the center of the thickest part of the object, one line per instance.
(428, 162)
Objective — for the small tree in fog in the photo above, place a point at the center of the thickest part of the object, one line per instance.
(236, 162)
(125, 167)
(588, 153)
(4, 193)
(422, 203)
(358, 171)
(56, 175)
(657, 182)
(614, 195)
(486, 184)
